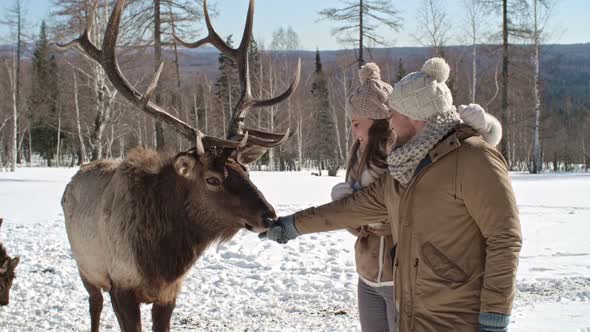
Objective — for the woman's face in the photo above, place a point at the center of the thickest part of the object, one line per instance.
(360, 129)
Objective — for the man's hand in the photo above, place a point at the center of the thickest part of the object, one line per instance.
(282, 230)
(493, 322)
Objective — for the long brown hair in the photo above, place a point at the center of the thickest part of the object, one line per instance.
(375, 153)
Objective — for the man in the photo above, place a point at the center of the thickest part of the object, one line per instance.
(449, 199)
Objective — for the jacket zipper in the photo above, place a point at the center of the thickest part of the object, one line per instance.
(406, 223)
(381, 256)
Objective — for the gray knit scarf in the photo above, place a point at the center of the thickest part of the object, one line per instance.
(404, 159)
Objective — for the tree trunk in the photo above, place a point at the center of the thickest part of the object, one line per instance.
(13, 140)
(584, 155)
(474, 74)
(300, 137)
(139, 131)
(537, 158)
(196, 111)
(206, 102)
(505, 143)
(17, 78)
(335, 120)
(30, 156)
(361, 33)
(101, 116)
(122, 147)
(160, 142)
(271, 116)
(57, 152)
(347, 128)
(81, 147)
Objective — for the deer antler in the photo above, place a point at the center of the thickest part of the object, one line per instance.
(247, 101)
(107, 58)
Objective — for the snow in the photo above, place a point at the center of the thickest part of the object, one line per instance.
(308, 284)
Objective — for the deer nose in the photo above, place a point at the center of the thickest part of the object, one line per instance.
(269, 218)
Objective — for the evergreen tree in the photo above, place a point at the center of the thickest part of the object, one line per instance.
(228, 88)
(43, 99)
(227, 91)
(401, 70)
(324, 132)
(358, 22)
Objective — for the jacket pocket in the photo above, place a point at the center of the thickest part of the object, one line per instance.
(442, 265)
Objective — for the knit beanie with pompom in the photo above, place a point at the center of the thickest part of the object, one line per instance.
(370, 98)
(421, 95)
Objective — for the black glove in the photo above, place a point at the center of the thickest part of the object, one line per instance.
(282, 230)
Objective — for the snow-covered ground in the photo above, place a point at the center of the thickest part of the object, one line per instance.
(309, 284)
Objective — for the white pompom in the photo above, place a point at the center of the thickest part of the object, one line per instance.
(437, 68)
(370, 71)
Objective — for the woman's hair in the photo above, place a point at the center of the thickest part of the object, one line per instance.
(374, 153)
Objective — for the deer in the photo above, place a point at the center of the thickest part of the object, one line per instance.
(136, 226)
(7, 267)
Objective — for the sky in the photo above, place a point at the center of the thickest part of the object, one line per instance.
(569, 24)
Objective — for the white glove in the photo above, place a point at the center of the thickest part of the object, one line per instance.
(475, 117)
(486, 124)
(341, 190)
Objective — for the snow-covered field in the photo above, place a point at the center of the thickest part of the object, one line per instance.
(307, 285)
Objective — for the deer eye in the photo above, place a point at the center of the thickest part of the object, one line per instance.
(213, 181)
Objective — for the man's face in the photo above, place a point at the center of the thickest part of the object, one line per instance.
(403, 127)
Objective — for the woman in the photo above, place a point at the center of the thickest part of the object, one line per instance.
(374, 248)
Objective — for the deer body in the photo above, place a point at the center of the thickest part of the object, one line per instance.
(138, 225)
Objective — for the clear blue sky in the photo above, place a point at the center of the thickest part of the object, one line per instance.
(569, 24)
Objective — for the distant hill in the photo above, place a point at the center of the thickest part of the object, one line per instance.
(565, 69)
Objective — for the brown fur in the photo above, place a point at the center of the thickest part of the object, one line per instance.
(166, 218)
(6, 277)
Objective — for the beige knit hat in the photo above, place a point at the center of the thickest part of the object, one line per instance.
(423, 94)
(370, 98)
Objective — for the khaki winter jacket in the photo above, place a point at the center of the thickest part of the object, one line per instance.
(374, 246)
(458, 233)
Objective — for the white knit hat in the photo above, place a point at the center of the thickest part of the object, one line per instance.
(370, 98)
(420, 95)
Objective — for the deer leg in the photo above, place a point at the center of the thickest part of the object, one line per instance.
(126, 309)
(161, 315)
(95, 300)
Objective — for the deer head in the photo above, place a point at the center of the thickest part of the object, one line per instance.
(7, 266)
(222, 186)
(216, 163)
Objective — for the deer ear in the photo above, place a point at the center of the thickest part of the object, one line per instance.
(250, 153)
(13, 263)
(184, 165)
(4, 266)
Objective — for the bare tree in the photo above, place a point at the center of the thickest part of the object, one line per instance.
(80, 138)
(359, 20)
(164, 18)
(510, 27)
(73, 18)
(285, 39)
(433, 25)
(541, 11)
(15, 19)
(11, 69)
(475, 22)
